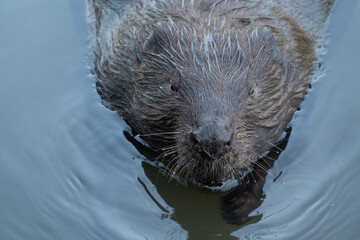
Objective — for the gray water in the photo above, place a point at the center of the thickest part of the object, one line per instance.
(68, 172)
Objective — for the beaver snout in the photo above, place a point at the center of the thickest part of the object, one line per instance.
(212, 140)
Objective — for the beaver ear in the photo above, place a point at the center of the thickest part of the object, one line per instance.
(264, 40)
(157, 39)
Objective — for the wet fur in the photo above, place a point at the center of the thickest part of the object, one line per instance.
(166, 66)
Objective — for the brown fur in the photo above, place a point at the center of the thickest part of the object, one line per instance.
(172, 68)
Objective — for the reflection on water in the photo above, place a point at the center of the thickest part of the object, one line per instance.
(240, 203)
(68, 172)
(236, 203)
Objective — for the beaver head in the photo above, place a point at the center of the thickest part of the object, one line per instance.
(214, 101)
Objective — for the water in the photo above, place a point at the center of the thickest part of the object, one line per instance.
(68, 172)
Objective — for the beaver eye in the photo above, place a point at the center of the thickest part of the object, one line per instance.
(174, 87)
(252, 92)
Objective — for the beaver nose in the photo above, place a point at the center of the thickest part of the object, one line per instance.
(212, 140)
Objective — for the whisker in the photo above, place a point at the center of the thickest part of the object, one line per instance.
(160, 155)
(269, 165)
(259, 189)
(257, 173)
(167, 171)
(170, 148)
(272, 175)
(187, 175)
(157, 134)
(257, 164)
(176, 169)
(172, 168)
(270, 143)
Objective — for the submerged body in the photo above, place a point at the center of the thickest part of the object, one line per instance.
(213, 84)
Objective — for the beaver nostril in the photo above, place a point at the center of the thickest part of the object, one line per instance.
(196, 144)
(212, 149)
(227, 146)
(212, 140)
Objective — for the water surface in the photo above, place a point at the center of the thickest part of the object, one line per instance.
(68, 172)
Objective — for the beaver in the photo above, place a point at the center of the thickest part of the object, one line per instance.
(212, 84)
